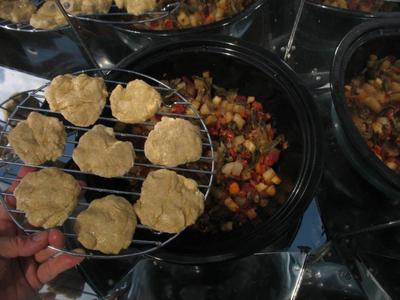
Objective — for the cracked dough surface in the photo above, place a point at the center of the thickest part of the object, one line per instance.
(38, 139)
(48, 16)
(107, 225)
(136, 7)
(80, 99)
(136, 103)
(100, 153)
(169, 202)
(16, 11)
(173, 142)
(47, 197)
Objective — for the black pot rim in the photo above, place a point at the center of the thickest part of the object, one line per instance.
(199, 29)
(354, 13)
(347, 47)
(311, 169)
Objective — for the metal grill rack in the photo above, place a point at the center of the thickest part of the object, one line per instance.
(146, 240)
(26, 27)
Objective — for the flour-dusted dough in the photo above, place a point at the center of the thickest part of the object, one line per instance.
(173, 142)
(87, 7)
(107, 225)
(137, 7)
(48, 16)
(16, 11)
(80, 99)
(136, 103)
(100, 153)
(38, 139)
(47, 197)
(169, 202)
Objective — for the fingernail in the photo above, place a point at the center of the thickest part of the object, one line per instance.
(37, 237)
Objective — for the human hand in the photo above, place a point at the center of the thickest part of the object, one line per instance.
(25, 261)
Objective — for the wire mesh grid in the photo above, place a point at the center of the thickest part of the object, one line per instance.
(128, 186)
(26, 26)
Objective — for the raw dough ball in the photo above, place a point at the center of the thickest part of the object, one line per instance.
(87, 7)
(16, 11)
(173, 142)
(38, 139)
(169, 202)
(48, 16)
(80, 99)
(135, 104)
(136, 7)
(47, 197)
(107, 225)
(100, 153)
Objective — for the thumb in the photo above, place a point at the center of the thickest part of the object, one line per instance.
(23, 245)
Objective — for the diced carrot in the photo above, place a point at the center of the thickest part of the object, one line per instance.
(234, 188)
(260, 168)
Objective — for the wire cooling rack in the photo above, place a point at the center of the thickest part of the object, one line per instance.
(146, 240)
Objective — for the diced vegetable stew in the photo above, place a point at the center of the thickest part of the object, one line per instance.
(373, 98)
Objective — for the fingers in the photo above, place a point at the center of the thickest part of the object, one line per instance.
(10, 200)
(54, 266)
(56, 239)
(22, 245)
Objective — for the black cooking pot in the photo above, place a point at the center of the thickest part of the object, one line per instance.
(236, 64)
(236, 26)
(381, 38)
(320, 30)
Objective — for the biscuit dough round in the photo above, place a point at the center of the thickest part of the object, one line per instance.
(48, 16)
(136, 103)
(16, 11)
(137, 7)
(38, 139)
(169, 202)
(80, 99)
(100, 153)
(87, 7)
(47, 197)
(107, 225)
(173, 142)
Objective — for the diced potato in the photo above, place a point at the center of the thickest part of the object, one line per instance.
(210, 119)
(276, 180)
(183, 19)
(239, 121)
(238, 140)
(260, 187)
(196, 104)
(391, 165)
(206, 74)
(231, 205)
(251, 99)
(204, 110)
(229, 106)
(233, 168)
(228, 117)
(271, 191)
(249, 146)
(268, 175)
(377, 127)
(251, 213)
(217, 100)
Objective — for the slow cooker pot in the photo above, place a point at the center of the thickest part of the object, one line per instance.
(254, 71)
